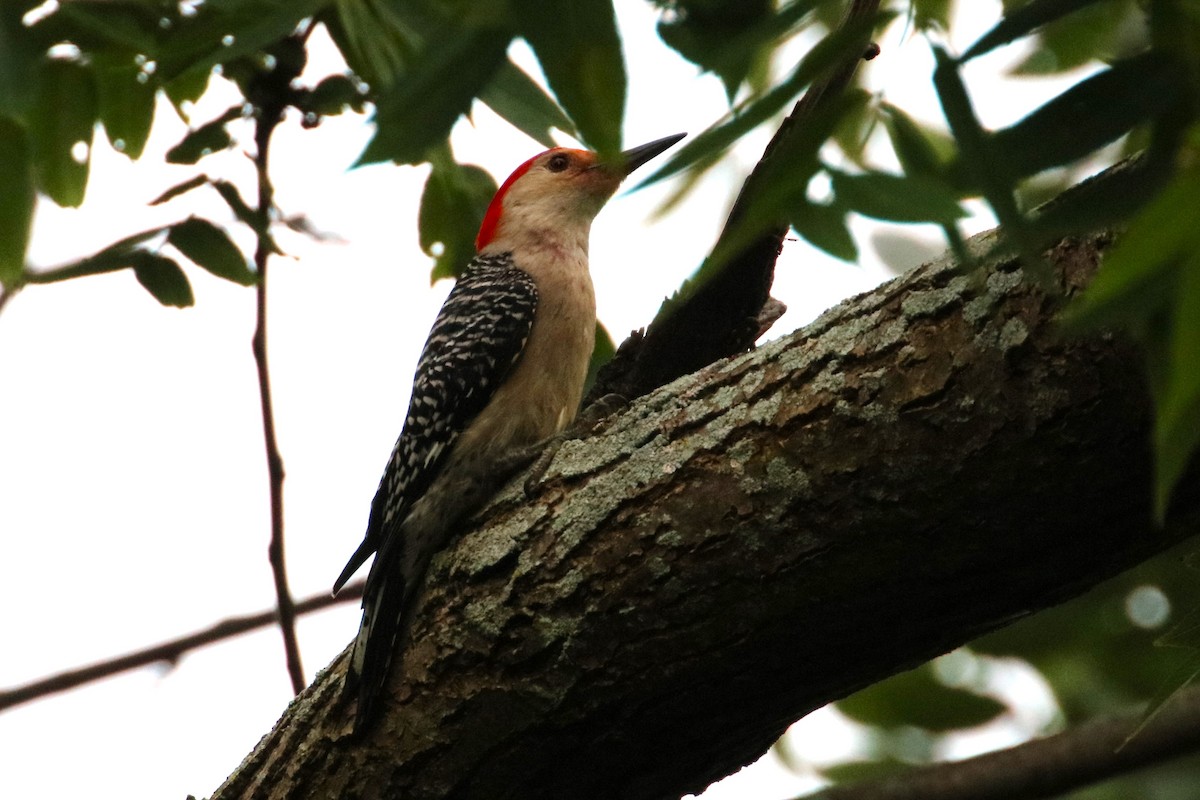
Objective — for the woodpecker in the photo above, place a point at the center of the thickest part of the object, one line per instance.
(502, 371)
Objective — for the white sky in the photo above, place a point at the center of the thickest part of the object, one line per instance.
(133, 493)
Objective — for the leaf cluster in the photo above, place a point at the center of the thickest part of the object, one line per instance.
(1134, 639)
(1104, 651)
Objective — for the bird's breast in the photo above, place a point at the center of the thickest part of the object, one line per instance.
(541, 395)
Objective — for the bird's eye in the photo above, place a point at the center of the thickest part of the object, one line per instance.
(558, 163)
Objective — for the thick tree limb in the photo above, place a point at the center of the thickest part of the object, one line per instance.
(923, 464)
(1049, 767)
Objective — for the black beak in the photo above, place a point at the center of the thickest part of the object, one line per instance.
(634, 157)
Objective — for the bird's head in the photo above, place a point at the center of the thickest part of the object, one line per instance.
(561, 189)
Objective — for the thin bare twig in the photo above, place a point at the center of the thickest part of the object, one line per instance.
(7, 295)
(1048, 767)
(170, 651)
(271, 95)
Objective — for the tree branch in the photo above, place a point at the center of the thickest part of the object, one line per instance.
(271, 93)
(170, 651)
(1049, 767)
(923, 464)
(6, 295)
(719, 312)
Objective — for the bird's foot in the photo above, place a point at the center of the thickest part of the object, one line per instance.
(583, 426)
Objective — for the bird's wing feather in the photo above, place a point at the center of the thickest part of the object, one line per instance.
(470, 349)
(477, 338)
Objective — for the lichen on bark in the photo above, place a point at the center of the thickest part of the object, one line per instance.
(923, 463)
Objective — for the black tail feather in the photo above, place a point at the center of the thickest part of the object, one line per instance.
(386, 617)
(359, 558)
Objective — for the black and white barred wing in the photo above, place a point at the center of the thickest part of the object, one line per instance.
(477, 338)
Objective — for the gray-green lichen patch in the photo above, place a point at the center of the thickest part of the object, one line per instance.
(872, 413)
(1003, 283)
(765, 410)
(740, 452)
(931, 302)
(794, 357)
(656, 566)
(591, 504)
(668, 536)
(487, 547)
(885, 337)
(841, 339)
(979, 308)
(569, 583)
(788, 478)
(1014, 334)
(484, 615)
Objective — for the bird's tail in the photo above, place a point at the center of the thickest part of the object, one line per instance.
(384, 621)
(359, 558)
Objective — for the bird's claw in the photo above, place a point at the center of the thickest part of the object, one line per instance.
(584, 424)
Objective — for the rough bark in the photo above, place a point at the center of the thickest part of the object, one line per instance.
(923, 464)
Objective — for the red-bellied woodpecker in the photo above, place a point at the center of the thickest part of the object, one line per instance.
(502, 371)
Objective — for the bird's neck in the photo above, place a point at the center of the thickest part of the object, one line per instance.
(546, 250)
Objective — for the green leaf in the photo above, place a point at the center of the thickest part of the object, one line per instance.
(233, 198)
(163, 278)
(117, 256)
(210, 248)
(374, 39)
(900, 198)
(112, 25)
(728, 39)
(1089, 115)
(831, 50)
(1110, 198)
(186, 88)
(16, 201)
(1092, 653)
(602, 352)
(126, 103)
(1184, 635)
(219, 33)
(1103, 32)
(824, 226)
(332, 95)
(779, 190)
(1152, 274)
(919, 149)
(854, 128)
(1023, 20)
(194, 182)
(577, 44)
(932, 14)
(988, 172)
(917, 698)
(515, 96)
(1177, 421)
(418, 111)
(226, 190)
(856, 771)
(64, 115)
(209, 138)
(452, 208)
(1143, 257)
(19, 56)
